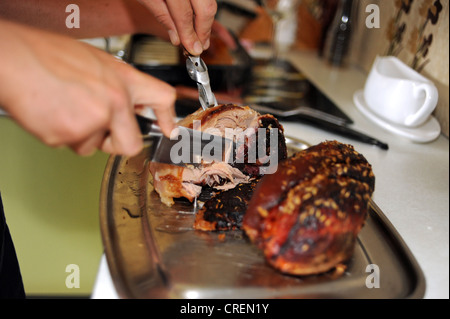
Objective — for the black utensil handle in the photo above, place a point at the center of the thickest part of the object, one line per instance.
(147, 126)
(343, 130)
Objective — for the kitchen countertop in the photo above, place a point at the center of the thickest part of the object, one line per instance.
(412, 179)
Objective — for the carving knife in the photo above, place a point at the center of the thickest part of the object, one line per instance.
(187, 146)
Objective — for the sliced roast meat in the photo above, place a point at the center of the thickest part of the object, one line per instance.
(247, 126)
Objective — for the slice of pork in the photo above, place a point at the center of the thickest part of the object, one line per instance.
(175, 182)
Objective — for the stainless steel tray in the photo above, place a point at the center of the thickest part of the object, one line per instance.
(153, 252)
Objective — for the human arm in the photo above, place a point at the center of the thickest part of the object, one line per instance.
(68, 93)
(99, 18)
(183, 21)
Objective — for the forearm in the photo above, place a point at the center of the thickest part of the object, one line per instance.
(98, 18)
(14, 53)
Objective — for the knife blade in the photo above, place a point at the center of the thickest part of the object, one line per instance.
(186, 146)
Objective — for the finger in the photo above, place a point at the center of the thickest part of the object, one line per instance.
(164, 110)
(88, 146)
(123, 139)
(204, 13)
(165, 118)
(162, 15)
(152, 93)
(124, 135)
(183, 16)
(128, 138)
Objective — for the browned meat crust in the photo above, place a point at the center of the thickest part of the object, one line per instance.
(306, 216)
(226, 209)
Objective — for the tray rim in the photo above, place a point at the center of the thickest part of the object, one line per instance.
(125, 291)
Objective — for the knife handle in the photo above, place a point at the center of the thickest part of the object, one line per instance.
(148, 126)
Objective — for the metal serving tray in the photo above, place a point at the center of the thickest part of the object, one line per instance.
(153, 252)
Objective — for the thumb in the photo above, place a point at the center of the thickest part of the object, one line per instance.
(153, 93)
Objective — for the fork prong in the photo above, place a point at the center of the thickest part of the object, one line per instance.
(198, 71)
